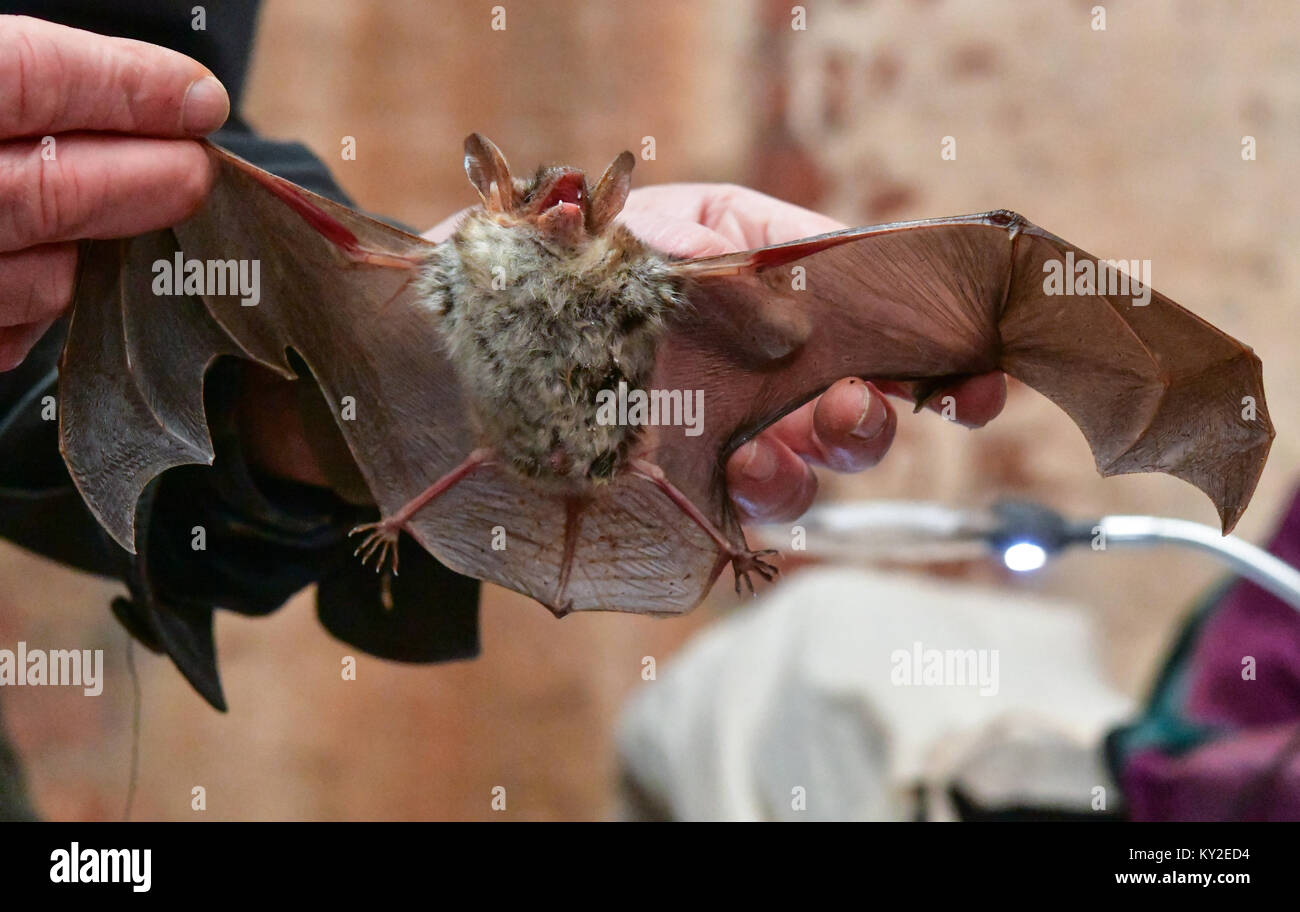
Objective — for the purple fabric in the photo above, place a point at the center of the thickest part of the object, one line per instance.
(1234, 778)
(1251, 622)
(1253, 770)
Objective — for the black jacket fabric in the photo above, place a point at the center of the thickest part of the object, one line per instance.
(265, 538)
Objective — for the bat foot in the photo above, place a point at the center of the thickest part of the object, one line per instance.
(380, 541)
(744, 563)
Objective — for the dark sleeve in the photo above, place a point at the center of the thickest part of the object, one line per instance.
(263, 539)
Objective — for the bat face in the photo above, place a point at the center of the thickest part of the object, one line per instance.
(547, 304)
(556, 202)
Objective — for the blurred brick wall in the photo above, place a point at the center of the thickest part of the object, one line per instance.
(1126, 141)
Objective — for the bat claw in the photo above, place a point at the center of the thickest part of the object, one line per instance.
(380, 540)
(744, 563)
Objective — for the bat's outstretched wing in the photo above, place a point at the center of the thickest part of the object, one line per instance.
(330, 283)
(335, 287)
(1153, 387)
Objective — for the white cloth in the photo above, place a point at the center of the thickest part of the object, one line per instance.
(798, 692)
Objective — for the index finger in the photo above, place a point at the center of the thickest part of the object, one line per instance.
(746, 217)
(55, 79)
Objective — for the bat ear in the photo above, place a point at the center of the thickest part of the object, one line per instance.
(489, 173)
(611, 192)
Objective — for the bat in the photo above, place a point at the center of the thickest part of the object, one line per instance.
(546, 402)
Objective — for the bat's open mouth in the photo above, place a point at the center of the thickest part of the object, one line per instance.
(560, 204)
(567, 188)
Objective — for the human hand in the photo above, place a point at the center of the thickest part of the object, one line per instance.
(851, 425)
(93, 144)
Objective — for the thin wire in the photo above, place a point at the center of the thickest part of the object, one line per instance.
(135, 727)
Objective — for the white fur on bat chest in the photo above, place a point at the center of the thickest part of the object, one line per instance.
(537, 331)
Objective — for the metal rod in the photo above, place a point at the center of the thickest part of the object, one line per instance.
(1256, 564)
(917, 530)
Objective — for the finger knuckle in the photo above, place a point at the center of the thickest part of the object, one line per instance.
(25, 78)
(49, 197)
(718, 200)
(130, 77)
(15, 69)
(732, 194)
(23, 181)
